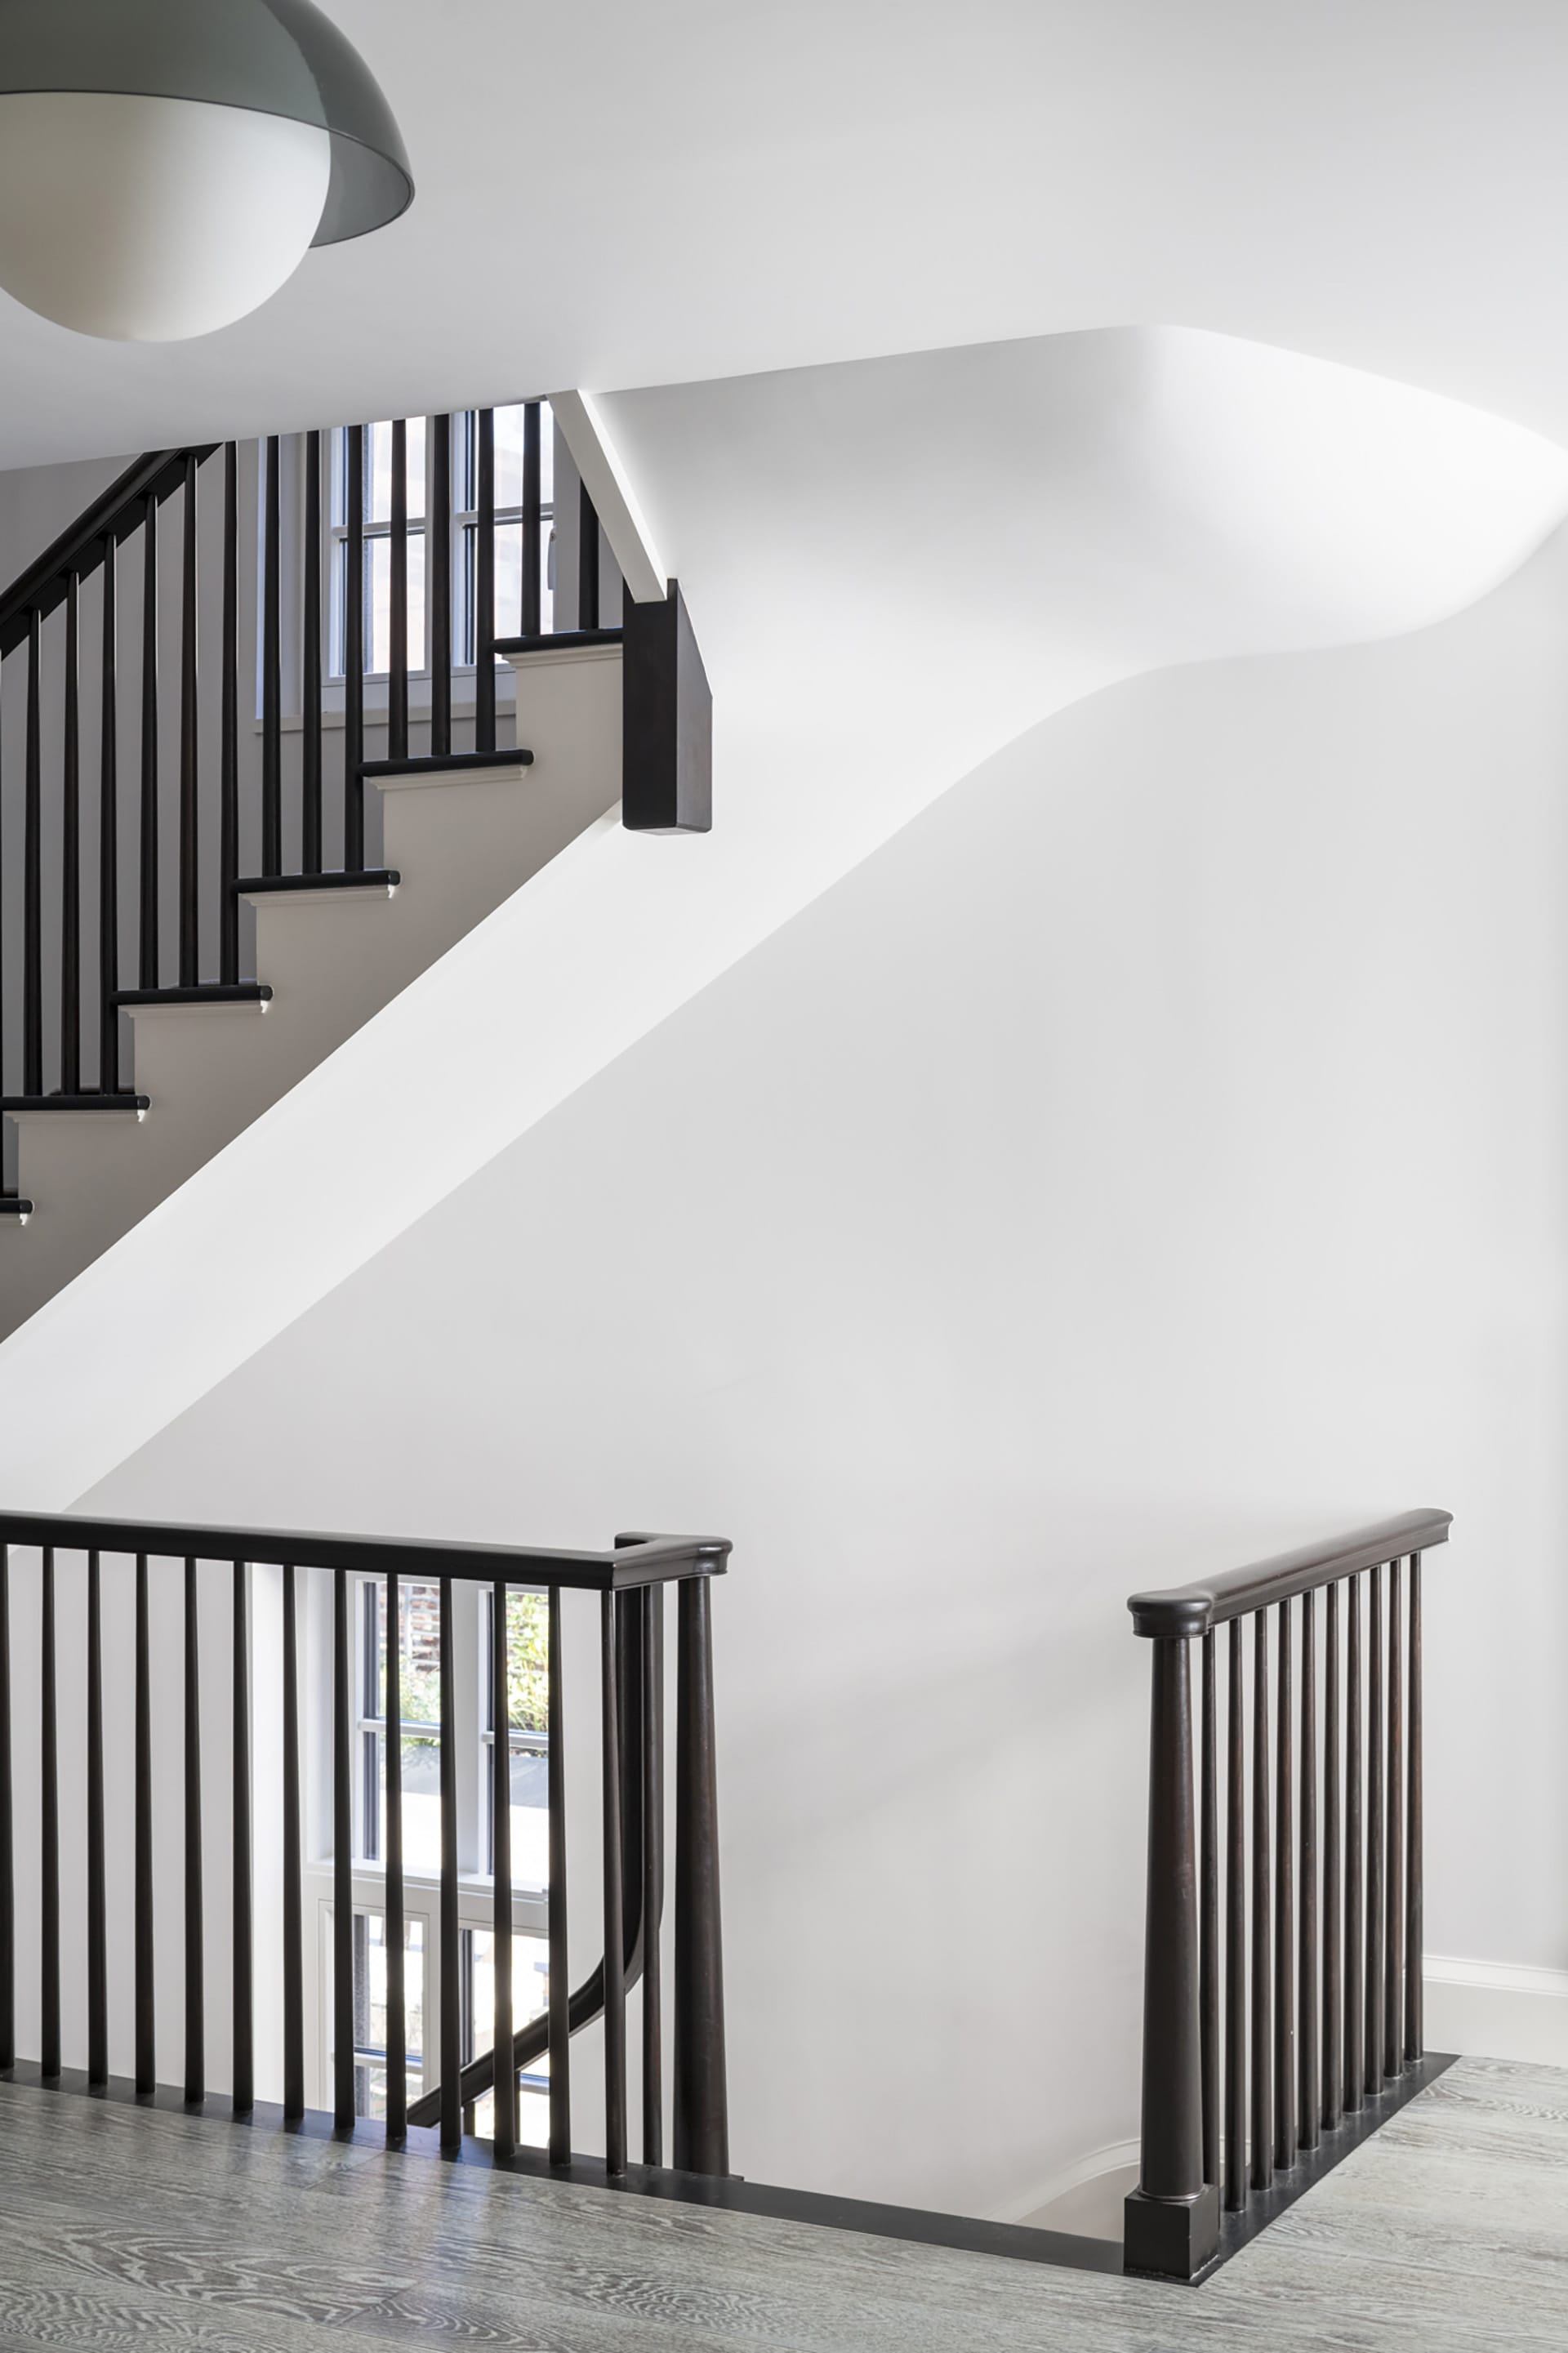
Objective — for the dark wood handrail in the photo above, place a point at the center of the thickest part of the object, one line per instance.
(1185, 1611)
(636, 1561)
(114, 514)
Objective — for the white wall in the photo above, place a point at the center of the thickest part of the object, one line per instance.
(1153, 1155)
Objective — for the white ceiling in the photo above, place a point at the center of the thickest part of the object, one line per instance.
(649, 191)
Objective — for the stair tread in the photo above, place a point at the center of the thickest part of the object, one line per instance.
(559, 641)
(366, 878)
(137, 1103)
(232, 992)
(446, 764)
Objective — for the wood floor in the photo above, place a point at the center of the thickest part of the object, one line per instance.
(124, 2227)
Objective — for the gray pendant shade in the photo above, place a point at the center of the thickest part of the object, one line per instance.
(266, 56)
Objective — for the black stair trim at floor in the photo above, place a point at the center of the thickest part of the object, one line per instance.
(558, 641)
(12, 1206)
(446, 764)
(227, 992)
(76, 1102)
(359, 878)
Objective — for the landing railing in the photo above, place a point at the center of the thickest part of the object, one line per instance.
(1273, 2048)
(631, 1580)
(141, 819)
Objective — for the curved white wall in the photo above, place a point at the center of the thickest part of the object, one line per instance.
(1152, 1155)
(894, 568)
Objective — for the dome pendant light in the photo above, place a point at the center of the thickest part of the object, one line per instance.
(166, 165)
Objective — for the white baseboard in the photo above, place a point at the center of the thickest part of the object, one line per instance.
(1072, 2199)
(1497, 2009)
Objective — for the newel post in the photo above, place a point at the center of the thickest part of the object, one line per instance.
(701, 2117)
(1173, 2217)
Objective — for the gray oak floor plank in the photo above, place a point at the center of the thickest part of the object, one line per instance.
(131, 2230)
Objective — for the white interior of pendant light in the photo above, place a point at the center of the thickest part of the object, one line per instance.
(149, 219)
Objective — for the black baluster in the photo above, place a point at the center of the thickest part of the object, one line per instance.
(1393, 1917)
(533, 563)
(396, 1927)
(1306, 2105)
(272, 667)
(310, 721)
(195, 1967)
(32, 880)
(701, 2134)
(109, 834)
(397, 548)
(354, 655)
(70, 854)
(293, 1860)
(229, 749)
(1208, 1912)
(243, 1998)
(1285, 1909)
(1355, 1944)
(559, 1980)
(451, 1935)
(343, 1868)
(147, 945)
(615, 1923)
(1236, 1935)
(146, 2030)
(1262, 1919)
(49, 1835)
(484, 588)
(1334, 1915)
(505, 2087)
(7, 1833)
(1375, 1835)
(190, 916)
(1415, 1901)
(3, 991)
(653, 1875)
(97, 1897)
(587, 561)
(439, 567)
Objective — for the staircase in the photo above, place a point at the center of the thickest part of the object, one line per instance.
(218, 1032)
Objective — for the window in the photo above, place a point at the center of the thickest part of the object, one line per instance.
(370, 2009)
(528, 1678)
(529, 1998)
(377, 548)
(418, 1640)
(509, 523)
(472, 1732)
(462, 523)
